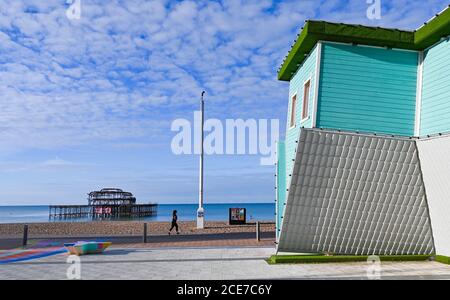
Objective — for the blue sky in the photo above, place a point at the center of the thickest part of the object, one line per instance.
(88, 103)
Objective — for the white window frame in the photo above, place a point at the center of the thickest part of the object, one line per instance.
(309, 80)
(293, 112)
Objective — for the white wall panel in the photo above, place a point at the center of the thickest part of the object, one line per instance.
(434, 156)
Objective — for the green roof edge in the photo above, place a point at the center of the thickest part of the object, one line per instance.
(433, 31)
(314, 31)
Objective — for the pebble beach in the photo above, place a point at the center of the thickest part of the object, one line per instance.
(121, 228)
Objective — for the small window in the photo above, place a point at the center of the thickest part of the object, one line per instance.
(305, 106)
(293, 109)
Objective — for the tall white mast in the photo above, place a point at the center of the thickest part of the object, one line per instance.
(200, 210)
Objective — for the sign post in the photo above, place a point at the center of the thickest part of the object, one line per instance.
(237, 216)
(25, 236)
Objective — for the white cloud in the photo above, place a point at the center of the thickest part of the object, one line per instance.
(52, 164)
(126, 68)
(57, 162)
(99, 93)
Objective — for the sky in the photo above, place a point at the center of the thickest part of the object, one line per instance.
(88, 102)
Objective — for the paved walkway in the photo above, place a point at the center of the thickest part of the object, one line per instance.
(208, 263)
(155, 241)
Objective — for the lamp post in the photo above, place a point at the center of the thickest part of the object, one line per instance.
(200, 210)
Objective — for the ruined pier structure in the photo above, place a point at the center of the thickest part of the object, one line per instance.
(107, 203)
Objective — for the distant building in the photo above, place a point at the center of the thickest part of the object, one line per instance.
(365, 168)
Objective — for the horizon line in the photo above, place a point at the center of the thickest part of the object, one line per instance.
(9, 205)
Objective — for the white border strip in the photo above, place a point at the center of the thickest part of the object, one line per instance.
(317, 84)
(277, 191)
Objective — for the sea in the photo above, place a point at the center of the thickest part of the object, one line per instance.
(186, 212)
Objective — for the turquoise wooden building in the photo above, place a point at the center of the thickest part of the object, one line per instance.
(383, 92)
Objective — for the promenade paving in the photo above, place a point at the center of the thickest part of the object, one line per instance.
(218, 263)
(153, 241)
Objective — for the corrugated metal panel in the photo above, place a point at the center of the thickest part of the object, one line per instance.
(306, 71)
(436, 90)
(367, 89)
(356, 194)
(435, 161)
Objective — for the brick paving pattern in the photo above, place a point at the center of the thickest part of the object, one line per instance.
(210, 264)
